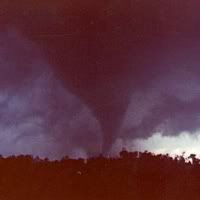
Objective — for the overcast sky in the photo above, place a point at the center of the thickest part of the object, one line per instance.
(81, 78)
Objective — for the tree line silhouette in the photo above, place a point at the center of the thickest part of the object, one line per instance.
(132, 175)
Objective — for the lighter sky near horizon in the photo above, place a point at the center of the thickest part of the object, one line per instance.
(184, 143)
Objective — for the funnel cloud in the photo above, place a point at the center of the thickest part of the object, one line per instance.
(101, 71)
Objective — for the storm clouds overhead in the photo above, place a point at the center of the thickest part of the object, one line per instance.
(78, 77)
(38, 115)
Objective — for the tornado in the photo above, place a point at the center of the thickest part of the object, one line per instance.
(102, 50)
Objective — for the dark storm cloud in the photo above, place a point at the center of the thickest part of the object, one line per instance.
(37, 115)
(170, 105)
(108, 53)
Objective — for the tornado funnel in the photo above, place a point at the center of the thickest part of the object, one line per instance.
(99, 49)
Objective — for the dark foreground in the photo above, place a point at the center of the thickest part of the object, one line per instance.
(139, 176)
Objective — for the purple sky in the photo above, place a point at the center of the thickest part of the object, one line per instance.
(78, 76)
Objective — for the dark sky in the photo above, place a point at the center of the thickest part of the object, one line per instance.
(84, 73)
